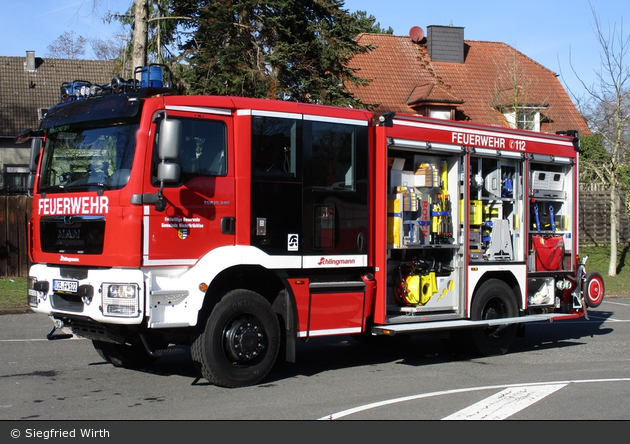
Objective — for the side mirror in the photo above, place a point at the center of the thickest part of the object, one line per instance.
(169, 148)
(36, 148)
(170, 143)
(168, 172)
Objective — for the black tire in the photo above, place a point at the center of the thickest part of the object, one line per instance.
(594, 289)
(123, 355)
(241, 341)
(493, 300)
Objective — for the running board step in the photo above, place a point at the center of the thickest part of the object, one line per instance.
(170, 351)
(393, 329)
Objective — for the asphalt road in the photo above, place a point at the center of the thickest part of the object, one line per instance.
(569, 370)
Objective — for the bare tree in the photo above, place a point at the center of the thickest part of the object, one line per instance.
(106, 49)
(607, 111)
(514, 95)
(67, 46)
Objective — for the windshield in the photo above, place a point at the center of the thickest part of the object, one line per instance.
(84, 156)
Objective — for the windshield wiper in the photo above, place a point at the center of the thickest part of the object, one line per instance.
(102, 187)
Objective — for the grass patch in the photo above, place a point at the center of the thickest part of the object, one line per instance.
(13, 290)
(599, 259)
(13, 295)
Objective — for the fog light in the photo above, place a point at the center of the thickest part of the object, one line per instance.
(32, 298)
(36, 290)
(120, 310)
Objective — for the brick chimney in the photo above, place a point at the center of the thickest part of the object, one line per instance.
(445, 43)
(30, 64)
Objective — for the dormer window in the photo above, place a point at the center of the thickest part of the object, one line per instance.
(521, 109)
(527, 118)
(437, 113)
(433, 100)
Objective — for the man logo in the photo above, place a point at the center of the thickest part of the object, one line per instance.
(293, 243)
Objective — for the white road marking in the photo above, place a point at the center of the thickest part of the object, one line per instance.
(505, 403)
(616, 303)
(378, 404)
(41, 339)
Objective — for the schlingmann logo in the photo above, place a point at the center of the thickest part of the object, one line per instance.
(336, 262)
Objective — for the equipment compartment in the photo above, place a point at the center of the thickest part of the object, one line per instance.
(551, 210)
(547, 180)
(421, 210)
(541, 292)
(495, 231)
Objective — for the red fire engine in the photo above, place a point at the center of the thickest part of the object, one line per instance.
(239, 226)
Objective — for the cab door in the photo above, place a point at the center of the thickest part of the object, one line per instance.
(335, 192)
(200, 208)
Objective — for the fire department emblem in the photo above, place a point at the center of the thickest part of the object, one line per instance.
(183, 233)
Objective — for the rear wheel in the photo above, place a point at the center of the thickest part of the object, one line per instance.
(241, 341)
(594, 289)
(494, 300)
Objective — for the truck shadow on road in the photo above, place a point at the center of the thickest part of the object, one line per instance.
(319, 355)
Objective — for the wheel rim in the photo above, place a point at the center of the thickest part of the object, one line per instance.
(245, 340)
(594, 290)
(494, 309)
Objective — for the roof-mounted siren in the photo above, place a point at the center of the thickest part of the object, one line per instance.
(152, 76)
(119, 85)
(416, 34)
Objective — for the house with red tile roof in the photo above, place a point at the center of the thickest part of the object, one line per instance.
(442, 75)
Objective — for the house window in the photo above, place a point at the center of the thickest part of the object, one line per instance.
(440, 113)
(15, 178)
(527, 119)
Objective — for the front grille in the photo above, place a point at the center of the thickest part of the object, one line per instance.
(72, 234)
(67, 302)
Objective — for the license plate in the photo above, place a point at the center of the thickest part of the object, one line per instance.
(65, 286)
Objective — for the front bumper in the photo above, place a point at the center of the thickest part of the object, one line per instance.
(110, 296)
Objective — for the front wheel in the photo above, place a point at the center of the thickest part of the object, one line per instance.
(594, 289)
(494, 300)
(241, 341)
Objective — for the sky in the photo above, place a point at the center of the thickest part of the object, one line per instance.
(558, 34)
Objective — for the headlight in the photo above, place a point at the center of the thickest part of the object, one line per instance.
(120, 300)
(122, 291)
